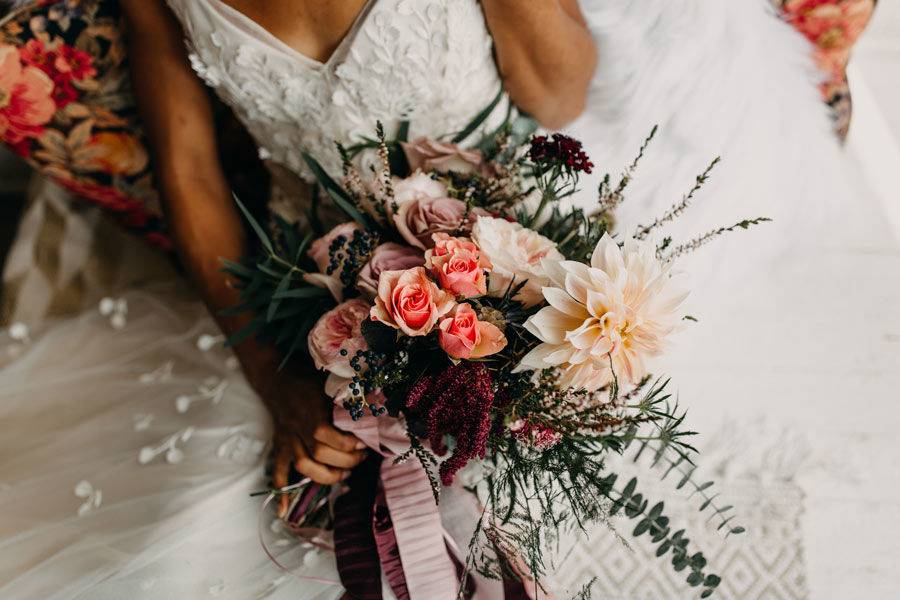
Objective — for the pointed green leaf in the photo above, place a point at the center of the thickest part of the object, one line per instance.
(403, 131)
(257, 228)
(276, 301)
(479, 119)
(310, 291)
(335, 191)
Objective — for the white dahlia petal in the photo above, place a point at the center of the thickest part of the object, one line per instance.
(564, 303)
(534, 360)
(550, 325)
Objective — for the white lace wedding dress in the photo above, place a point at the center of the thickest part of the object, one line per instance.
(130, 442)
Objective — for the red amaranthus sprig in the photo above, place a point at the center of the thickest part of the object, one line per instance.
(455, 402)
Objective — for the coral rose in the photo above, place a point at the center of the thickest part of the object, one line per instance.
(410, 301)
(458, 265)
(463, 336)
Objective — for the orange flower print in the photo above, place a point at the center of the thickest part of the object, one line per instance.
(26, 102)
(115, 153)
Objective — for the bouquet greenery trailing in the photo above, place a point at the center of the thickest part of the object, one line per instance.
(504, 331)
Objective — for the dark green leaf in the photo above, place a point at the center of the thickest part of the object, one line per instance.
(479, 119)
(257, 228)
(236, 268)
(276, 300)
(642, 527)
(335, 191)
(309, 291)
(629, 488)
(403, 131)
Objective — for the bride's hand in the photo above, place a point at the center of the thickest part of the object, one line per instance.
(303, 434)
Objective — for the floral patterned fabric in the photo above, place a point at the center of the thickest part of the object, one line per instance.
(833, 26)
(66, 106)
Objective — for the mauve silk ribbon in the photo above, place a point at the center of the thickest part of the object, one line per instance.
(388, 520)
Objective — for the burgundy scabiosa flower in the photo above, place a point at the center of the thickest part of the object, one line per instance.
(455, 402)
(560, 150)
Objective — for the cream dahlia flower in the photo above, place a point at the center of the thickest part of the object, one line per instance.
(609, 315)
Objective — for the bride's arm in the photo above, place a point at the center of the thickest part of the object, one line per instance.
(206, 227)
(546, 55)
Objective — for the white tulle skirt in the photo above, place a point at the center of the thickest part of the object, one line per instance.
(130, 446)
(130, 443)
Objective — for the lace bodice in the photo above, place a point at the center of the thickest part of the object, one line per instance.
(429, 62)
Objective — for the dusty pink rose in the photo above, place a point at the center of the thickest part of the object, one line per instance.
(387, 257)
(319, 249)
(463, 336)
(410, 301)
(26, 102)
(336, 337)
(443, 157)
(458, 265)
(418, 220)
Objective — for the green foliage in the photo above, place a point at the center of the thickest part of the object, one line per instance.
(272, 288)
(479, 119)
(337, 194)
(532, 494)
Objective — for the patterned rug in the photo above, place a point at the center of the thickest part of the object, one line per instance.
(764, 563)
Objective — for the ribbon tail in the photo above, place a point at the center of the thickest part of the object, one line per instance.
(355, 547)
(430, 573)
(388, 551)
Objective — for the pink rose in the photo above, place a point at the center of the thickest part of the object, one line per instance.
(429, 155)
(410, 301)
(337, 337)
(320, 250)
(387, 257)
(463, 336)
(458, 265)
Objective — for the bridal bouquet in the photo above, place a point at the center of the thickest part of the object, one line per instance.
(476, 331)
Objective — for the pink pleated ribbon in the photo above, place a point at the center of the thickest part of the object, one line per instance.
(428, 569)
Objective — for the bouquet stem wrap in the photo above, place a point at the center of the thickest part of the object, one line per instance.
(388, 521)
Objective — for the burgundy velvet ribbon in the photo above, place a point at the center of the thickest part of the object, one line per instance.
(388, 551)
(354, 542)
